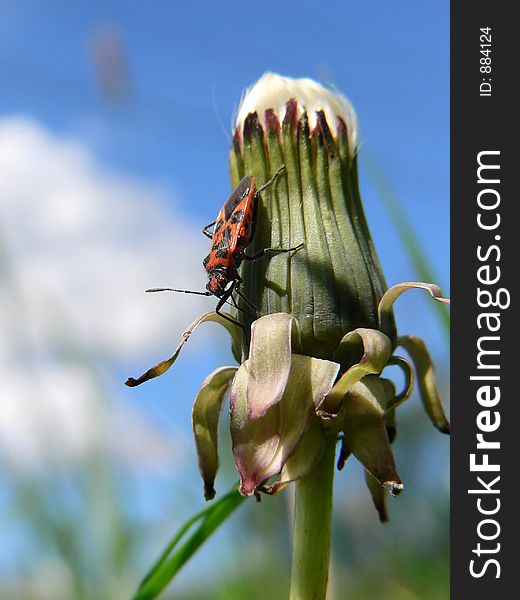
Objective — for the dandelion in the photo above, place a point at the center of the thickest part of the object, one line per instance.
(311, 359)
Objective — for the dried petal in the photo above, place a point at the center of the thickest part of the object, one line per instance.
(378, 494)
(272, 340)
(262, 446)
(367, 351)
(234, 331)
(409, 381)
(362, 419)
(305, 458)
(427, 380)
(391, 425)
(390, 296)
(205, 421)
(388, 397)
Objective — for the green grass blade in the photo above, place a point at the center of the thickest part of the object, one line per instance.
(403, 226)
(168, 564)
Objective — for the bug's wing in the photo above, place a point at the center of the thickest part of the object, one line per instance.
(233, 239)
(219, 231)
(245, 189)
(235, 212)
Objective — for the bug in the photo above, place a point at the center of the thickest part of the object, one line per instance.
(233, 231)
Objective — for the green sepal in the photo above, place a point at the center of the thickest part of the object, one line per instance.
(234, 331)
(366, 352)
(385, 308)
(426, 380)
(362, 419)
(207, 408)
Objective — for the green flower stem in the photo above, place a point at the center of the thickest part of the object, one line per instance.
(312, 526)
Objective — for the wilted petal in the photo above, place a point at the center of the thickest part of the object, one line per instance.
(385, 390)
(262, 446)
(254, 442)
(234, 331)
(386, 397)
(409, 381)
(390, 296)
(273, 337)
(205, 420)
(366, 351)
(305, 458)
(426, 379)
(378, 494)
(391, 426)
(362, 419)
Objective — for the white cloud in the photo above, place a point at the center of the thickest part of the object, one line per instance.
(56, 415)
(47, 411)
(91, 242)
(82, 245)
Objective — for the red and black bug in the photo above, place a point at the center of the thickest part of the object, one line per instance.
(233, 231)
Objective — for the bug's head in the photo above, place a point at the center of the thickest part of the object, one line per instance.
(218, 281)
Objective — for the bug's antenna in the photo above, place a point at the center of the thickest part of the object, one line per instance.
(217, 113)
(200, 294)
(182, 291)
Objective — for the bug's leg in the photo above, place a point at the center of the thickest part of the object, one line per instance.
(234, 303)
(248, 302)
(252, 306)
(238, 290)
(272, 251)
(221, 303)
(271, 181)
(206, 231)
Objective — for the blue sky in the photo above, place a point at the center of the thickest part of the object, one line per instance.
(187, 64)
